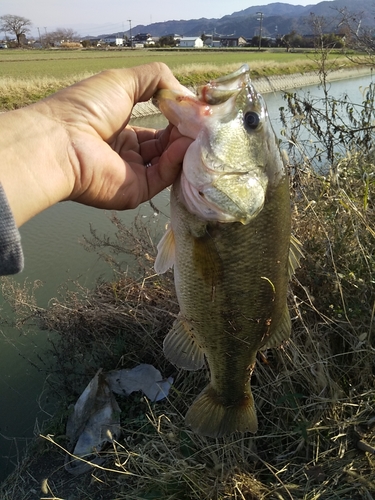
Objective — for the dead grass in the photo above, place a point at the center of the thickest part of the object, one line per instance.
(191, 73)
(17, 92)
(314, 395)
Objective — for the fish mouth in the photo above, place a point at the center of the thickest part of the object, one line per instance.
(223, 88)
(216, 202)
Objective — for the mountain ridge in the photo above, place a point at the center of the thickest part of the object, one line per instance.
(278, 18)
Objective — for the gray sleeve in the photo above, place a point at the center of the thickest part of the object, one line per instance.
(11, 255)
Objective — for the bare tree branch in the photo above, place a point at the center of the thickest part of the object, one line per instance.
(15, 24)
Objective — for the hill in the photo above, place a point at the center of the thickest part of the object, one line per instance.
(278, 18)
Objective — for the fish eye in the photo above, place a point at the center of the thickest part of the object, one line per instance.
(252, 120)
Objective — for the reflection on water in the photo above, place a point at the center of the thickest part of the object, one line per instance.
(54, 254)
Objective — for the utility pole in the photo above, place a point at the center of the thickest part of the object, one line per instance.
(260, 19)
(40, 40)
(130, 31)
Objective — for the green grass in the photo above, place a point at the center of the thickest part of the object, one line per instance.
(61, 64)
(29, 75)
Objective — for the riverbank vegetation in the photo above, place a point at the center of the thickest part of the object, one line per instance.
(29, 75)
(314, 395)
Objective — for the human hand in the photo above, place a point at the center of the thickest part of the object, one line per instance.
(109, 156)
(77, 145)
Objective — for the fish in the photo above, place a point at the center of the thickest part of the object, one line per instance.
(229, 242)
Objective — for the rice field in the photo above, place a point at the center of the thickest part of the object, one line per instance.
(29, 75)
(64, 63)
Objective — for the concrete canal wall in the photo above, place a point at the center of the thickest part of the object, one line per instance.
(275, 83)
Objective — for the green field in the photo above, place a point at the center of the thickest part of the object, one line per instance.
(27, 75)
(64, 63)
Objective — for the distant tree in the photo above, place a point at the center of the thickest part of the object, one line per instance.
(333, 40)
(255, 41)
(289, 40)
(17, 25)
(61, 35)
(328, 33)
(167, 41)
(87, 43)
(356, 36)
(264, 42)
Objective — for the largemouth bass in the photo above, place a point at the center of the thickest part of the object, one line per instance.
(230, 243)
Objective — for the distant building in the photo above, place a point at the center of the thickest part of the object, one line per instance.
(191, 41)
(224, 41)
(176, 37)
(144, 38)
(212, 40)
(113, 40)
(232, 41)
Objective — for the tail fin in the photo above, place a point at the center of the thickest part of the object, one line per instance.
(207, 416)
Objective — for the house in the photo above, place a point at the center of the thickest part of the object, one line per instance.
(191, 41)
(144, 38)
(232, 41)
(224, 41)
(113, 40)
(176, 37)
(212, 41)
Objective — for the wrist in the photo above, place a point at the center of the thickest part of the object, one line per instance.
(34, 156)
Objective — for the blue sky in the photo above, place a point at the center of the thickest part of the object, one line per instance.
(99, 16)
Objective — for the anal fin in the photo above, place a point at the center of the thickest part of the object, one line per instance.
(181, 346)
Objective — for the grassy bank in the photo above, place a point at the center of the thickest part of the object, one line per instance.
(26, 76)
(314, 395)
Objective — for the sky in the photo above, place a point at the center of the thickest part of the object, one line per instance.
(94, 17)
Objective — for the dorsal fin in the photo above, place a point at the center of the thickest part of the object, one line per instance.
(295, 255)
(281, 332)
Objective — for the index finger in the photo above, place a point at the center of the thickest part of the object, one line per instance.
(102, 104)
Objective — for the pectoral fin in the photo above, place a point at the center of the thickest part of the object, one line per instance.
(181, 346)
(165, 258)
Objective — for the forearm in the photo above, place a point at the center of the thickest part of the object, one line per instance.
(34, 151)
